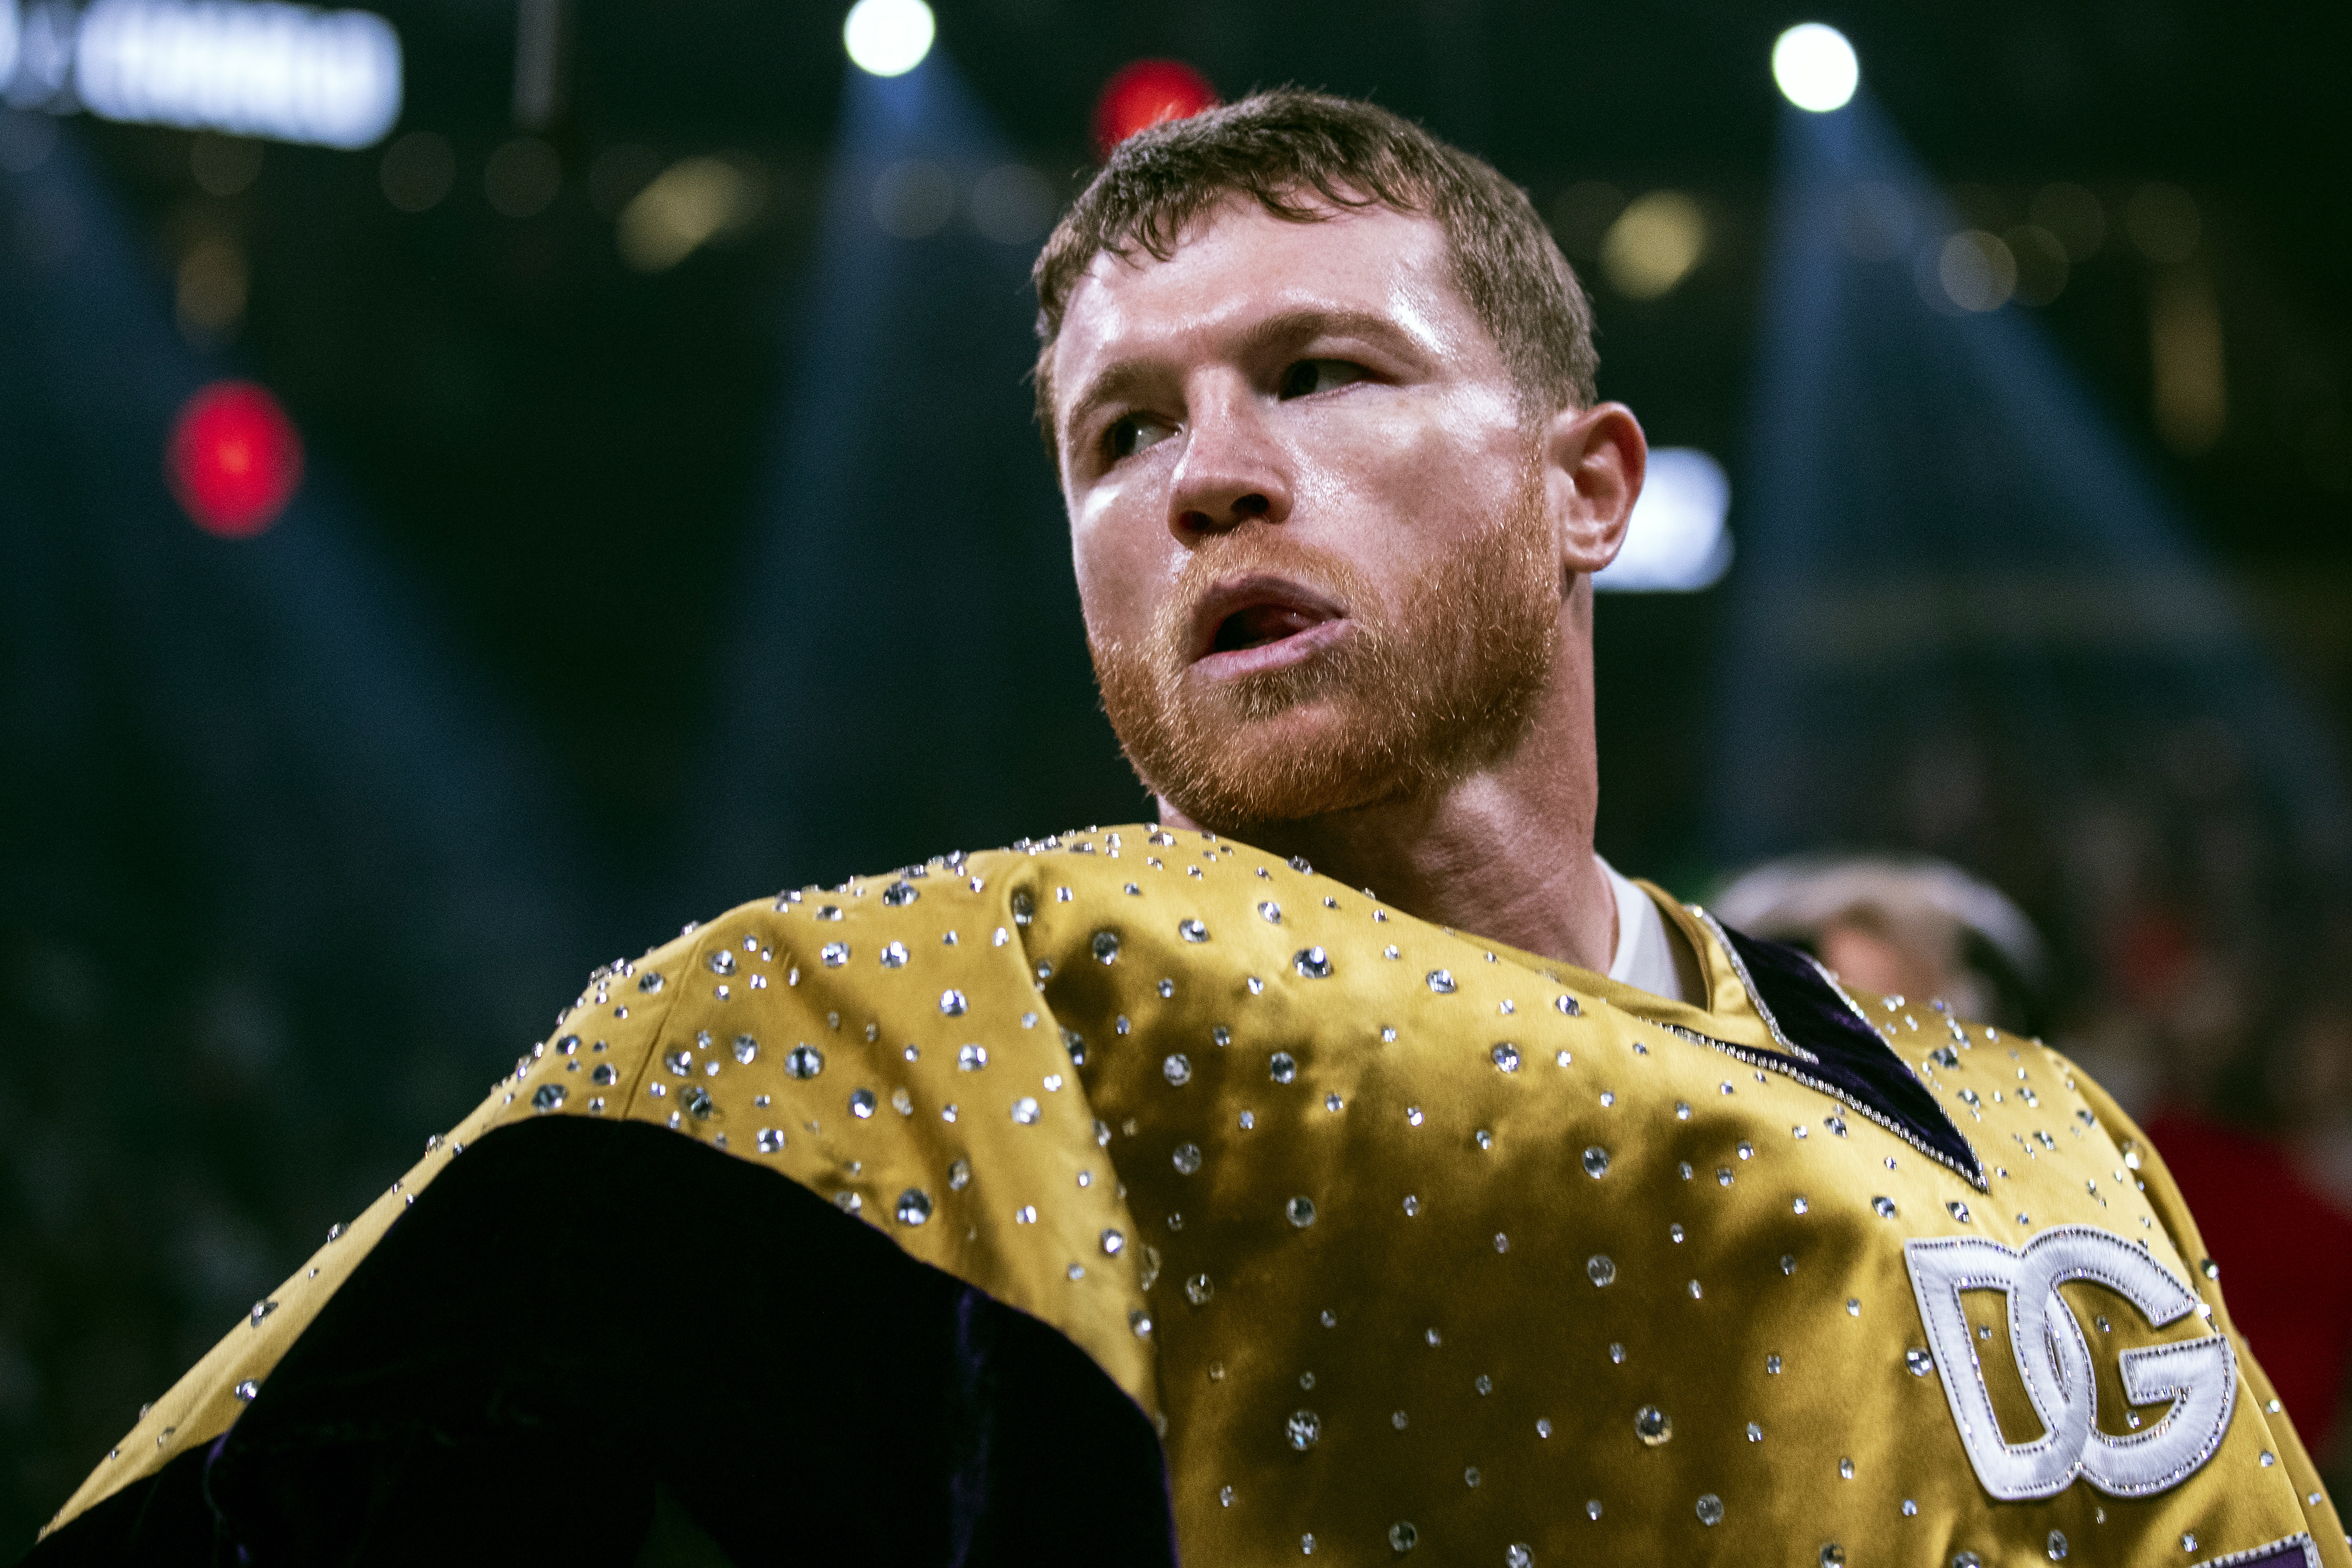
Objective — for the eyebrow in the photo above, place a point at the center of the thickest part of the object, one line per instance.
(1116, 382)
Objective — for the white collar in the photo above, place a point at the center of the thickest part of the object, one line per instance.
(1645, 958)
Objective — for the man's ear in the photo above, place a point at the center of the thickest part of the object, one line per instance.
(1593, 460)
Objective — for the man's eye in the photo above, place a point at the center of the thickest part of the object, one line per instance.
(1309, 376)
(1131, 433)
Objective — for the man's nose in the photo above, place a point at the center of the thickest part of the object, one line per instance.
(1233, 471)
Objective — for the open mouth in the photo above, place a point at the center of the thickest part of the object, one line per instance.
(1261, 622)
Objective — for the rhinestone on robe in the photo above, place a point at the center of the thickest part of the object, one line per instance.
(1113, 1243)
(1710, 1509)
(1025, 1112)
(1596, 1162)
(1652, 1426)
(1177, 1069)
(1507, 1057)
(1105, 947)
(746, 1049)
(1403, 1536)
(1312, 963)
(1442, 981)
(1601, 1269)
(1920, 1362)
(1282, 1068)
(1304, 1429)
(770, 1141)
(1884, 1207)
(894, 955)
(1199, 1290)
(834, 953)
(1187, 1159)
(1301, 1211)
(1271, 910)
(2054, 1546)
(1191, 931)
(971, 1057)
(1518, 1555)
(697, 1101)
(914, 1207)
(952, 1005)
(804, 1062)
(547, 1097)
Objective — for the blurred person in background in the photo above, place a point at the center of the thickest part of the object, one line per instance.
(1914, 928)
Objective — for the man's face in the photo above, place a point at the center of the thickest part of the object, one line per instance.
(1313, 545)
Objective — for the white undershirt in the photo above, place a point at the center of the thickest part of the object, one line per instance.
(1645, 958)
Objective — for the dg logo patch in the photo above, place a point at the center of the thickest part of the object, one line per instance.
(2199, 1377)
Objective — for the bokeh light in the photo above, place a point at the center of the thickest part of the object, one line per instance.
(1653, 245)
(1144, 93)
(1816, 67)
(417, 171)
(235, 459)
(889, 38)
(683, 208)
(1977, 270)
(1675, 542)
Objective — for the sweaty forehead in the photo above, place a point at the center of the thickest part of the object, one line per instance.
(1238, 264)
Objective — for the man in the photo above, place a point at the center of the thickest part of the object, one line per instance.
(1155, 1190)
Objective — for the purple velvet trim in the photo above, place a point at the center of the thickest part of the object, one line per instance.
(1848, 1055)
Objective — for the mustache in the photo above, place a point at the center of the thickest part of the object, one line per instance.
(1240, 555)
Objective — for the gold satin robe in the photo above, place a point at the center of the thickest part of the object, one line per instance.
(1411, 1243)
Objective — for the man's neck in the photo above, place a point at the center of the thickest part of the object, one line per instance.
(1505, 853)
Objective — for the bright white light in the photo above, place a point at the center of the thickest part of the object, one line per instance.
(7, 41)
(887, 38)
(1676, 542)
(285, 72)
(1816, 67)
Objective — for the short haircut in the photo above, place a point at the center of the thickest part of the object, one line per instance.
(1297, 153)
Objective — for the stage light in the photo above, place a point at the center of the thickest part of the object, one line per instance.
(1141, 95)
(887, 38)
(244, 66)
(7, 41)
(234, 460)
(1676, 542)
(1816, 67)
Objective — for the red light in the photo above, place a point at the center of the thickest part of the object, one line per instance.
(1142, 95)
(235, 459)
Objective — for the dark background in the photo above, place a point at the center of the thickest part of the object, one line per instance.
(611, 598)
